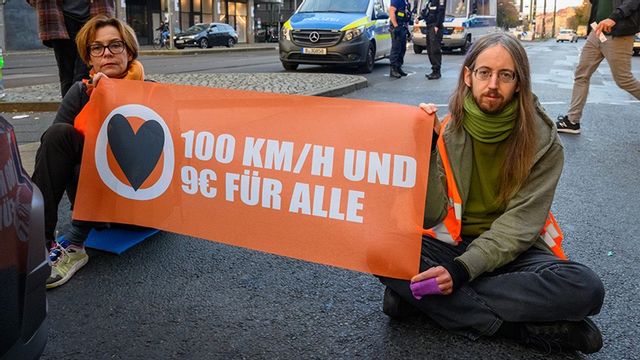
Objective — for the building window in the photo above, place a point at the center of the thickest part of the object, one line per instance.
(185, 6)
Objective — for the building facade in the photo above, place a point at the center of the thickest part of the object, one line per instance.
(254, 20)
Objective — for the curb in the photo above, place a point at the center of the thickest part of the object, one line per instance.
(29, 106)
(337, 91)
(197, 51)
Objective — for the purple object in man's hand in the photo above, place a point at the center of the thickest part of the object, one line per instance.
(425, 287)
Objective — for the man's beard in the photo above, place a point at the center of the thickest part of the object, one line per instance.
(492, 110)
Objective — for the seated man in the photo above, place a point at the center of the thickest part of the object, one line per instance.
(491, 247)
(110, 48)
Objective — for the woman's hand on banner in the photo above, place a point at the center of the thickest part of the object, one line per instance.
(96, 78)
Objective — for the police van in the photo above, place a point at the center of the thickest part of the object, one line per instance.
(464, 22)
(336, 32)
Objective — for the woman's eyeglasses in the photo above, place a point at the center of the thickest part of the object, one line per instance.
(504, 76)
(116, 47)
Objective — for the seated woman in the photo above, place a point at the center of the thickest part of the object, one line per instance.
(110, 48)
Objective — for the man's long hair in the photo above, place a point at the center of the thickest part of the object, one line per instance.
(522, 141)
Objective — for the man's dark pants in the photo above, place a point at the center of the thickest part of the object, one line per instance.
(398, 46)
(70, 67)
(433, 48)
(535, 287)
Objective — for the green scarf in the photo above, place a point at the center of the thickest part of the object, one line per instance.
(489, 128)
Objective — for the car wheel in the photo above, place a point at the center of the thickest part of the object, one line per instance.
(467, 44)
(289, 66)
(367, 66)
(636, 52)
(204, 43)
(230, 43)
(417, 49)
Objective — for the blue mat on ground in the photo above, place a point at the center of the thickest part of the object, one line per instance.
(117, 240)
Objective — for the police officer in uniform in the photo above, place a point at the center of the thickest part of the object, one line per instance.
(399, 15)
(433, 16)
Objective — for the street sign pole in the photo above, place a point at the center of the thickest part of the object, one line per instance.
(170, 7)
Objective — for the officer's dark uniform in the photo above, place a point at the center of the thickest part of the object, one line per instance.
(399, 37)
(433, 16)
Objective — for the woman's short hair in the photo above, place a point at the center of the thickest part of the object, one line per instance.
(87, 34)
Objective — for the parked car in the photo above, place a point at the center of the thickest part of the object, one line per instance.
(206, 36)
(636, 44)
(23, 258)
(567, 35)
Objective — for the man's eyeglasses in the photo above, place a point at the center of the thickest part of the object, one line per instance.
(504, 76)
(116, 47)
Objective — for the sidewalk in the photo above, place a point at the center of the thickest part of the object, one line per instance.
(149, 50)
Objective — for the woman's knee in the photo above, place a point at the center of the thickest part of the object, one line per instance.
(62, 138)
(58, 132)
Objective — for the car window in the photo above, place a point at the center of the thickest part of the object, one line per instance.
(197, 28)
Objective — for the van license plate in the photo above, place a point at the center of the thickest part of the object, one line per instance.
(314, 51)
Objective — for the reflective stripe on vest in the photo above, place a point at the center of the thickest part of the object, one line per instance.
(450, 228)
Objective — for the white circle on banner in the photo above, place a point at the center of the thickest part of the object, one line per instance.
(102, 164)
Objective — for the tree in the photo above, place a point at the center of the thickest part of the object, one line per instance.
(508, 15)
(582, 15)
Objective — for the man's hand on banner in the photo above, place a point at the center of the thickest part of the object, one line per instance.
(445, 283)
(432, 109)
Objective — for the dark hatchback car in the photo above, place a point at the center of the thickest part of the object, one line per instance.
(23, 259)
(207, 35)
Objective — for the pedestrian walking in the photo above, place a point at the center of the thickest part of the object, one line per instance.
(619, 21)
(399, 16)
(433, 15)
(492, 262)
(58, 24)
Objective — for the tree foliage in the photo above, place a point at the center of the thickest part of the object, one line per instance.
(508, 15)
(582, 15)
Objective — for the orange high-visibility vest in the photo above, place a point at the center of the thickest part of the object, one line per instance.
(449, 229)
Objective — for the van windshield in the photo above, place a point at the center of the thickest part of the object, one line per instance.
(457, 8)
(340, 6)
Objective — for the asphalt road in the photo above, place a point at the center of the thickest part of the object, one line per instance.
(180, 297)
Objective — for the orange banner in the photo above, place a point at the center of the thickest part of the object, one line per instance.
(333, 181)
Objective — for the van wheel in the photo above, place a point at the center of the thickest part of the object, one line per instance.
(417, 49)
(367, 66)
(289, 66)
(466, 46)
